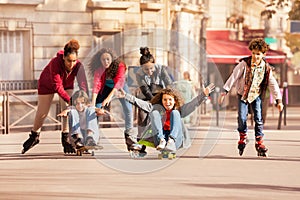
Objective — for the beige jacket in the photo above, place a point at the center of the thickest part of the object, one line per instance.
(237, 79)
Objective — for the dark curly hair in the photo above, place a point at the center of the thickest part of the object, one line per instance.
(95, 61)
(146, 56)
(111, 71)
(71, 47)
(157, 99)
(258, 44)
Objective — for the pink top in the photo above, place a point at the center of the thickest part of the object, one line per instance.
(100, 78)
(55, 79)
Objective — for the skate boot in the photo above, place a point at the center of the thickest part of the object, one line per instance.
(68, 147)
(260, 147)
(242, 143)
(136, 150)
(130, 140)
(77, 141)
(31, 141)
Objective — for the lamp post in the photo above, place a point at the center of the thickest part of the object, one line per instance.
(203, 61)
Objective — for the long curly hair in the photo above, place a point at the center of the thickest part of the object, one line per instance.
(157, 99)
(112, 70)
(95, 61)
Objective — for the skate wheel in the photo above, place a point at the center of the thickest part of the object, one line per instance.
(79, 153)
(241, 152)
(93, 153)
(133, 154)
(141, 155)
(160, 156)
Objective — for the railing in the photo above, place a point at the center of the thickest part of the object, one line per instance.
(2, 111)
(18, 110)
(18, 85)
(18, 104)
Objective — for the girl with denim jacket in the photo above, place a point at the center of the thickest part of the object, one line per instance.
(166, 109)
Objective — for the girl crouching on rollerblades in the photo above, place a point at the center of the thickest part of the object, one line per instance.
(83, 121)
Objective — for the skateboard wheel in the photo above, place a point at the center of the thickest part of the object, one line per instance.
(171, 156)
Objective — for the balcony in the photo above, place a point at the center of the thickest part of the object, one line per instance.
(109, 4)
(22, 2)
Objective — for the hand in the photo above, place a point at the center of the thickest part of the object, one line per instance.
(209, 89)
(99, 111)
(280, 106)
(121, 93)
(63, 113)
(106, 101)
(221, 98)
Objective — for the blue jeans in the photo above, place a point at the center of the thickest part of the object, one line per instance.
(91, 123)
(176, 127)
(243, 113)
(127, 108)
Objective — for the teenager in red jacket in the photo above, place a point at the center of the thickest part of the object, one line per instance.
(58, 77)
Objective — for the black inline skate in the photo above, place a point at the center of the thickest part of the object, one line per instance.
(136, 150)
(65, 141)
(31, 141)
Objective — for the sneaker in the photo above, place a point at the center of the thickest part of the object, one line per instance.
(171, 145)
(162, 144)
(89, 141)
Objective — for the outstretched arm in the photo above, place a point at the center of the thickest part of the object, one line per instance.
(191, 106)
(144, 105)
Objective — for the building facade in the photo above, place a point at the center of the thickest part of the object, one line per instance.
(32, 31)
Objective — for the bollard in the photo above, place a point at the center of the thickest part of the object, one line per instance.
(284, 101)
(217, 90)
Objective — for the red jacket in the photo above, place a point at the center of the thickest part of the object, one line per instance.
(54, 78)
(100, 78)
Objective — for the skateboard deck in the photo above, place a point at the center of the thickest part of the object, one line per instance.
(88, 149)
(166, 154)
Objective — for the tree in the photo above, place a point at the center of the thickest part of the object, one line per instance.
(293, 39)
(294, 14)
(273, 6)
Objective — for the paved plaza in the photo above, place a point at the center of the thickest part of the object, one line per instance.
(211, 169)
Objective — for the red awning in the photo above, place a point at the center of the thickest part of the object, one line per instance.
(230, 52)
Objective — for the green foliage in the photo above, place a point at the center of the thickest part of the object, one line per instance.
(271, 8)
(292, 39)
(294, 14)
